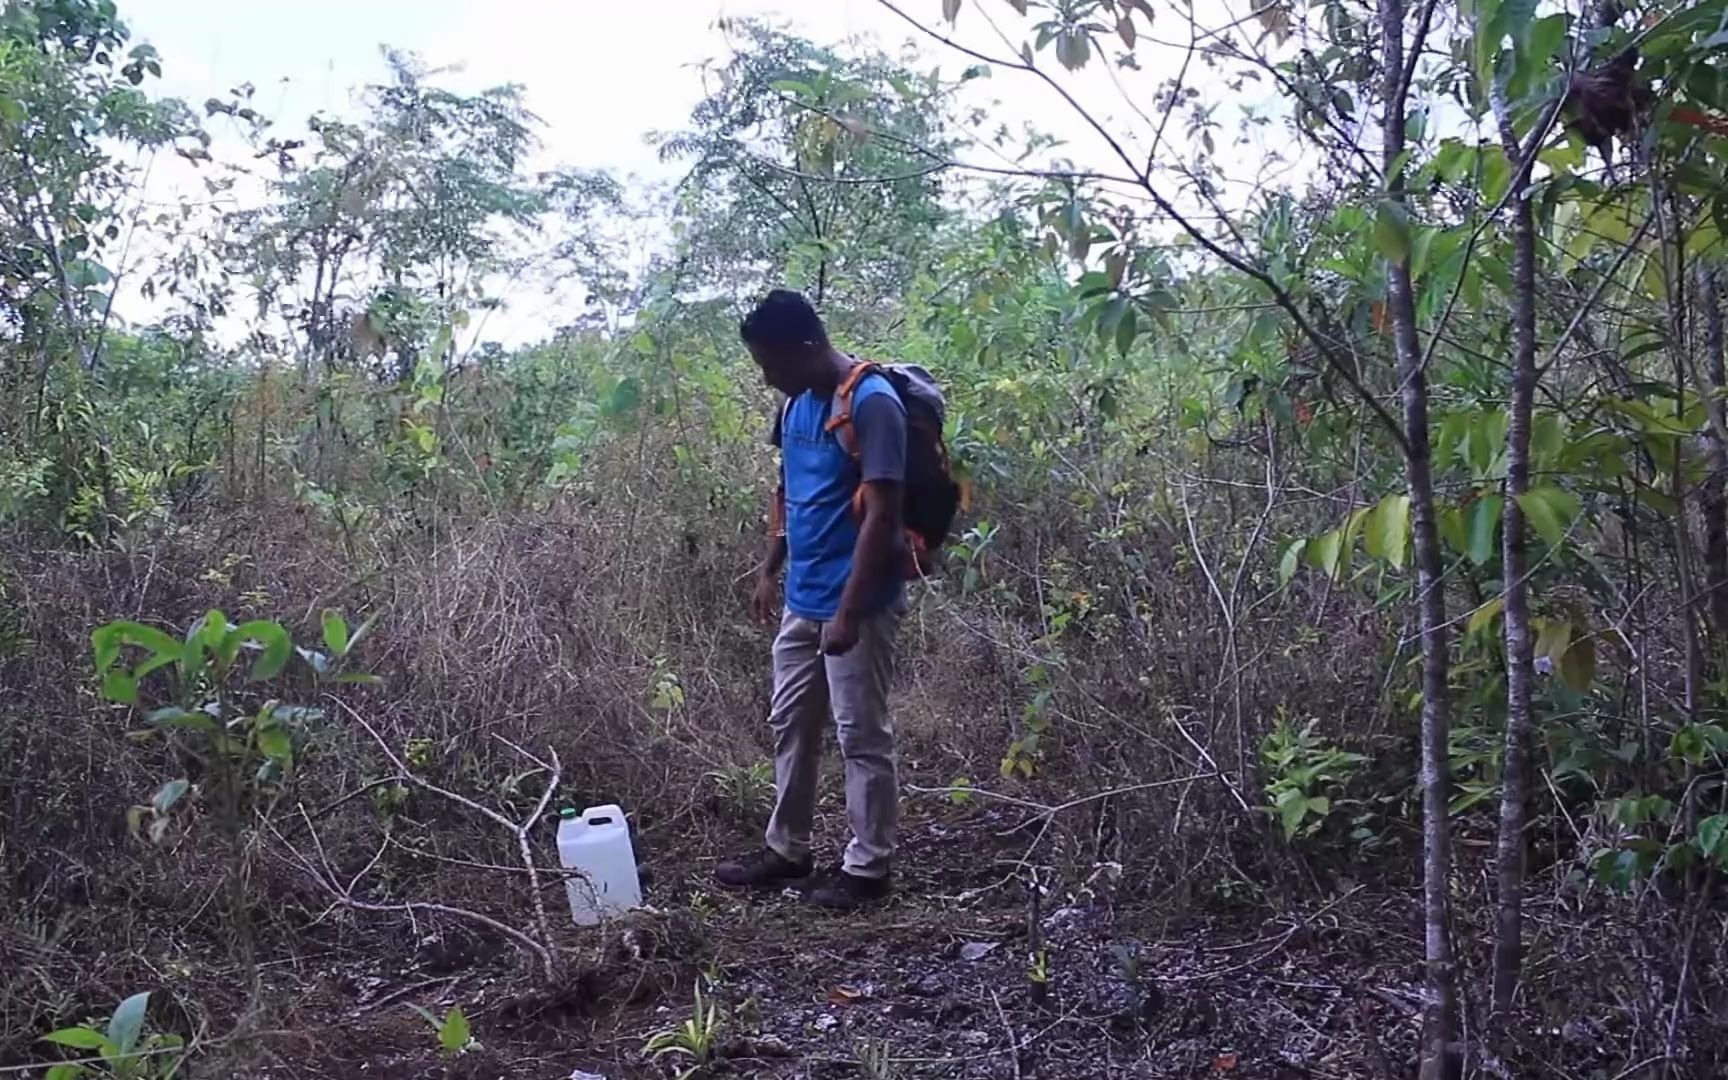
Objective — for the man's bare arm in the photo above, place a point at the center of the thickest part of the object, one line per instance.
(876, 555)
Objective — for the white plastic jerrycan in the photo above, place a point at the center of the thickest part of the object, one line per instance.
(597, 843)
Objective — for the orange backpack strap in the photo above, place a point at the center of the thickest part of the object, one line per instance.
(840, 423)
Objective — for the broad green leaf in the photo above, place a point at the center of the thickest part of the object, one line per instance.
(626, 395)
(1073, 49)
(1547, 438)
(1484, 442)
(127, 1023)
(174, 716)
(1290, 560)
(159, 660)
(109, 639)
(1690, 744)
(1469, 795)
(1545, 38)
(1352, 529)
(1392, 230)
(169, 794)
(1578, 665)
(440, 346)
(212, 630)
(1484, 526)
(1452, 522)
(1419, 251)
(453, 1034)
(1549, 509)
(1126, 330)
(1553, 637)
(1324, 551)
(276, 649)
(335, 632)
(1388, 533)
(120, 686)
(1607, 223)
(1496, 174)
(1484, 616)
(78, 1038)
(274, 743)
(1712, 832)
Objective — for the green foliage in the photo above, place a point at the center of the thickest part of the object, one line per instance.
(1038, 969)
(123, 1049)
(1644, 825)
(1303, 775)
(454, 1038)
(748, 789)
(1166, 473)
(196, 690)
(696, 1038)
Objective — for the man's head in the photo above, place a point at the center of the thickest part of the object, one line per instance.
(786, 338)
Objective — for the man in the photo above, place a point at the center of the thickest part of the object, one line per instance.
(843, 549)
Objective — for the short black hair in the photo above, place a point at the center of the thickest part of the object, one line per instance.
(783, 320)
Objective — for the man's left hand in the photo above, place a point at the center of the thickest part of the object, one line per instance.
(839, 634)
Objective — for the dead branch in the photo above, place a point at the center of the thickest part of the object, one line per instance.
(520, 830)
(344, 897)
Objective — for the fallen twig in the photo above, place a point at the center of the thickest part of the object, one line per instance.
(519, 829)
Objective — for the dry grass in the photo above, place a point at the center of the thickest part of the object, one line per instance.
(553, 626)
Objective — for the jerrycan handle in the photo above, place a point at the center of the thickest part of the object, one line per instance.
(607, 817)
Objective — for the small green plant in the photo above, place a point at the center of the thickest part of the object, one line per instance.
(1302, 773)
(875, 1060)
(208, 701)
(1474, 754)
(665, 689)
(210, 705)
(124, 1049)
(696, 1038)
(1127, 962)
(1038, 971)
(454, 1037)
(749, 789)
(1038, 974)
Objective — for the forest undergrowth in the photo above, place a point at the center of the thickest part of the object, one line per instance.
(1326, 678)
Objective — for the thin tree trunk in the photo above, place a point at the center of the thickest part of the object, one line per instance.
(1440, 1057)
(1515, 774)
(1715, 495)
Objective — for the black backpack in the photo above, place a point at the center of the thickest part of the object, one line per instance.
(931, 497)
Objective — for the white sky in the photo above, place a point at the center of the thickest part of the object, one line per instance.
(600, 73)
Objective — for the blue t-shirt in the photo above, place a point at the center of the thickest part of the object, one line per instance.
(821, 479)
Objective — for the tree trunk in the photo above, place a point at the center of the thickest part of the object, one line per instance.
(1715, 495)
(1515, 775)
(1440, 1057)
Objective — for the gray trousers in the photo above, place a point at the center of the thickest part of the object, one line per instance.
(808, 687)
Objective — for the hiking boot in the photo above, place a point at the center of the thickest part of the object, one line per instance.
(767, 869)
(844, 892)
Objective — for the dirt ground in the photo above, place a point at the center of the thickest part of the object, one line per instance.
(941, 982)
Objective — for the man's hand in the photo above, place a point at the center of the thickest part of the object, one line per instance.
(839, 634)
(765, 598)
